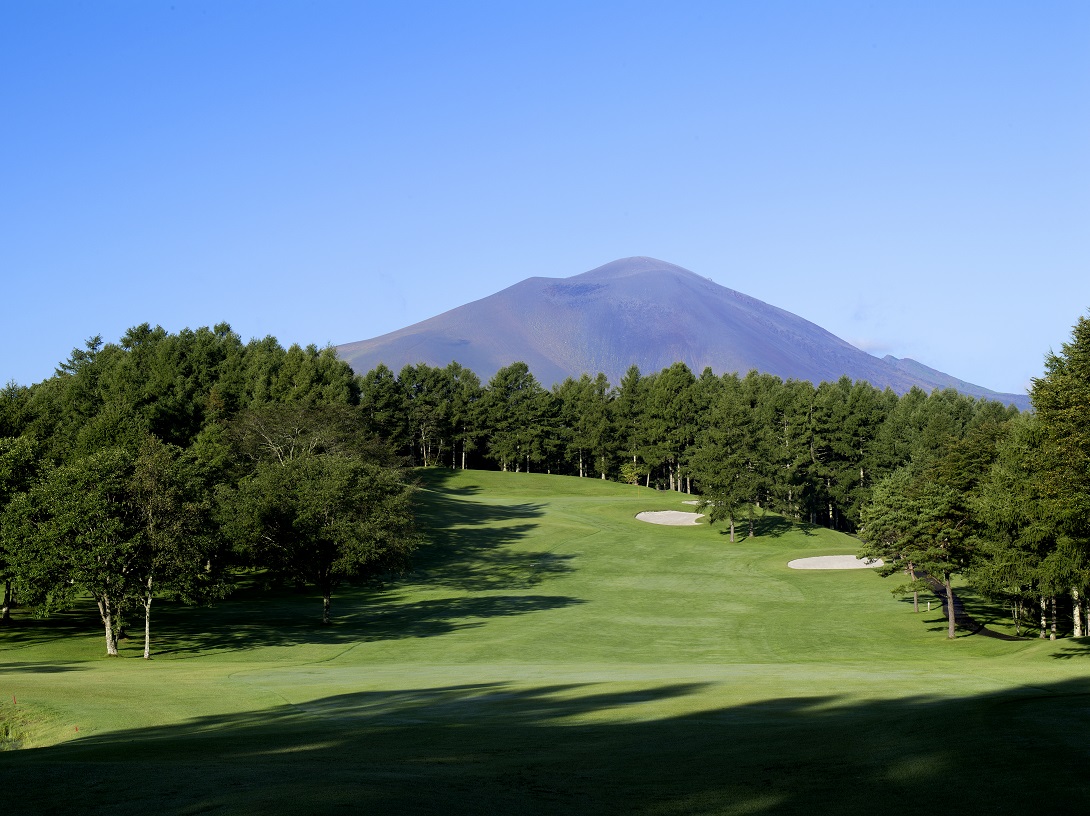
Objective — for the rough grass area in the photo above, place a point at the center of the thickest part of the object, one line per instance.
(551, 654)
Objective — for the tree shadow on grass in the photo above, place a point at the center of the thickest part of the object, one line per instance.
(767, 525)
(29, 667)
(469, 545)
(583, 748)
(360, 616)
(25, 629)
(1073, 648)
(773, 525)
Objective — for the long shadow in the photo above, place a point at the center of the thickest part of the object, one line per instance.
(772, 525)
(29, 667)
(1073, 648)
(469, 543)
(25, 629)
(582, 748)
(364, 616)
(766, 525)
(963, 621)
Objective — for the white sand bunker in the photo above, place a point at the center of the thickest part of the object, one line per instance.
(672, 518)
(834, 562)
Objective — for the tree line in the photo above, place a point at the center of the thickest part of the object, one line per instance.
(163, 464)
(937, 485)
(160, 465)
(753, 442)
(1006, 506)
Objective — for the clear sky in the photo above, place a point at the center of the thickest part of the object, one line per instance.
(912, 176)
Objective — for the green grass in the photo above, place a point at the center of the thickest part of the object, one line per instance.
(551, 654)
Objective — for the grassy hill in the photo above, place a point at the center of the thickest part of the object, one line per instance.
(551, 654)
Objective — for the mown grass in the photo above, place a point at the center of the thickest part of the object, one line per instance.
(551, 654)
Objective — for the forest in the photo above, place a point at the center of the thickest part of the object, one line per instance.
(165, 464)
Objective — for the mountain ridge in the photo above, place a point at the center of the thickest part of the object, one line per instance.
(645, 312)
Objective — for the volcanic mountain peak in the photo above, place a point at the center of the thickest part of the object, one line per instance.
(640, 311)
(636, 265)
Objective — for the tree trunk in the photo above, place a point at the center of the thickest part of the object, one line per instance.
(1044, 623)
(949, 607)
(108, 620)
(325, 607)
(915, 592)
(1015, 613)
(1076, 612)
(5, 618)
(147, 622)
(1052, 635)
(732, 529)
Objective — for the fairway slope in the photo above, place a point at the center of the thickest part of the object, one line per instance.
(550, 653)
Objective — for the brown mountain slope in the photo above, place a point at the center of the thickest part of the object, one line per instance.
(645, 312)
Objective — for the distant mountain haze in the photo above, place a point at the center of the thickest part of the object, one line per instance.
(645, 312)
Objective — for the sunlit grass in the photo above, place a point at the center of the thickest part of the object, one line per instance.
(549, 653)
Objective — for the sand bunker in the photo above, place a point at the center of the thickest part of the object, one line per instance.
(834, 562)
(672, 518)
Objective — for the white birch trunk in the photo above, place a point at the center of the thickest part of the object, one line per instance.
(949, 608)
(915, 593)
(1076, 611)
(147, 626)
(107, 615)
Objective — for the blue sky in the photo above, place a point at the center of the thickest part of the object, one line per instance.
(912, 176)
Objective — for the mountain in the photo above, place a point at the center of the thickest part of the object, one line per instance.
(645, 312)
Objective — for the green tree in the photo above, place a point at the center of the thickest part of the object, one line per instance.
(383, 407)
(324, 518)
(179, 554)
(671, 422)
(19, 464)
(319, 500)
(629, 410)
(889, 529)
(428, 393)
(516, 408)
(724, 461)
(585, 414)
(1061, 401)
(465, 411)
(79, 529)
(1016, 534)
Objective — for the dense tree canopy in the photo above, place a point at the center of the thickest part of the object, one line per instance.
(115, 472)
(177, 459)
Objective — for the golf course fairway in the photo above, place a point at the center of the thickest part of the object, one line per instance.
(549, 653)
